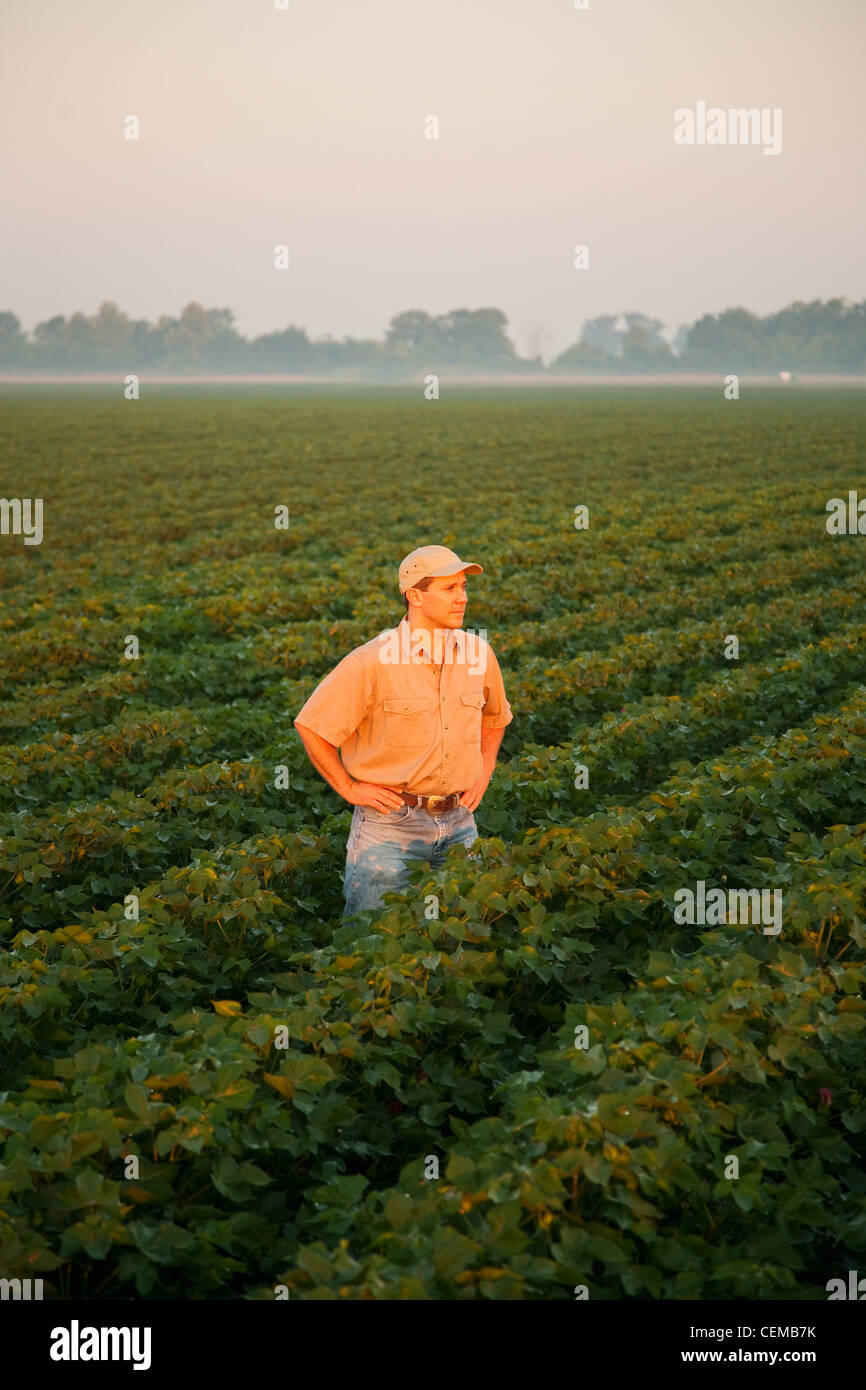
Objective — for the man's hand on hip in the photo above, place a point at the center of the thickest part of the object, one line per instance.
(472, 795)
(371, 794)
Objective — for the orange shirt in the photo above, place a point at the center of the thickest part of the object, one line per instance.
(404, 721)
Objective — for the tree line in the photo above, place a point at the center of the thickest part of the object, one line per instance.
(815, 337)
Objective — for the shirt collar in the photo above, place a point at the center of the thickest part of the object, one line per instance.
(449, 638)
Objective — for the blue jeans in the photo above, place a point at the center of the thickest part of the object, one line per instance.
(382, 845)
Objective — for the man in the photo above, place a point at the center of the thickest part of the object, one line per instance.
(406, 728)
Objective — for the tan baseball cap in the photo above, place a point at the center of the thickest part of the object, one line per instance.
(433, 561)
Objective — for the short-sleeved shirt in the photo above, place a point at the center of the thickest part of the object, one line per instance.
(404, 721)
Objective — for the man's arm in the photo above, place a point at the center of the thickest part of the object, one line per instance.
(326, 759)
(490, 741)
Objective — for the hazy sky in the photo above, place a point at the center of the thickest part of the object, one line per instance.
(305, 126)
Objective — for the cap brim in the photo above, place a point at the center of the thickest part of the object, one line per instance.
(457, 568)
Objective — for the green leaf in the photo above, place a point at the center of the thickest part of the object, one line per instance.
(89, 1184)
(398, 1209)
(137, 1100)
(453, 1253)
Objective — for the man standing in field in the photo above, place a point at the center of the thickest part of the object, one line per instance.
(406, 728)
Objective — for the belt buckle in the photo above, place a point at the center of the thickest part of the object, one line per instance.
(434, 802)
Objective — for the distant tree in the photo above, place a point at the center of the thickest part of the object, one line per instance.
(201, 339)
(602, 333)
(724, 342)
(111, 332)
(49, 347)
(412, 334)
(827, 336)
(145, 346)
(462, 337)
(647, 331)
(333, 355)
(643, 347)
(849, 335)
(107, 340)
(13, 340)
(598, 348)
(582, 356)
(477, 338)
(287, 351)
(226, 349)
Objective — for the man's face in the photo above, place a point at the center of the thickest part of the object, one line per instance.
(444, 602)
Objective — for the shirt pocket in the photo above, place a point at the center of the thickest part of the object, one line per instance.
(471, 706)
(408, 722)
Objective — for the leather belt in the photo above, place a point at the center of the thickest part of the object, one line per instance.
(431, 804)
